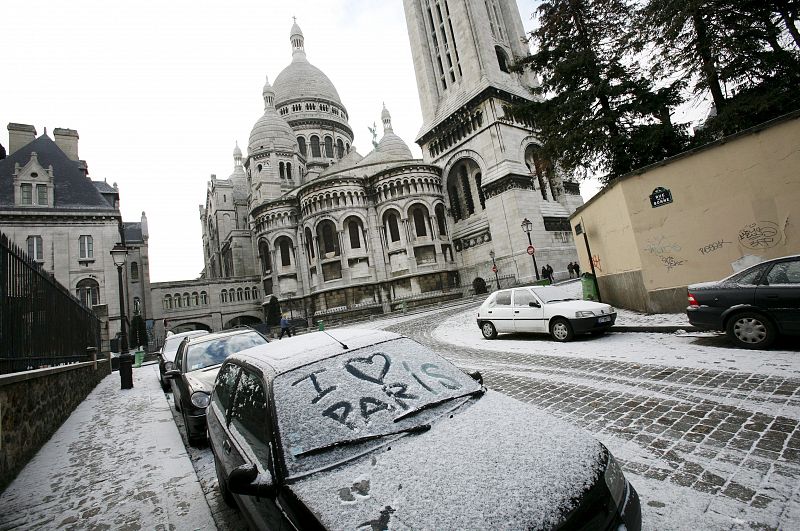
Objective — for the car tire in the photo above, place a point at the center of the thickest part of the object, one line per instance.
(177, 404)
(164, 384)
(193, 440)
(561, 330)
(226, 494)
(488, 330)
(750, 330)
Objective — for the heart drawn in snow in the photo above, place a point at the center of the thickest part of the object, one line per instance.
(368, 369)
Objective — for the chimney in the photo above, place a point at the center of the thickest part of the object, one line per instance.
(19, 136)
(67, 141)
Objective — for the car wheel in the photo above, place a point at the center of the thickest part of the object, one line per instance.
(751, 330)
(177, 404)
(193, 439)
(488, 330)
(164, 384)
(561, 330)
(227, 497)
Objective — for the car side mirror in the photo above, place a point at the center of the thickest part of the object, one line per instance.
(172, 373)
(246, 480)
(534, 304)
(477, 376)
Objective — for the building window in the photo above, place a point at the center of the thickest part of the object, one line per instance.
(223, 296)
(556, 224)
(394, 229)
(186, 300)
(86, 246)
(310, 244)
(481, 196)
(239, 294)
(41, 194)
(88, 291)
(255, 293)
(137, 306)
(167, 302)
(35, 248)
(286, 259)
(340, 148)
(134, 271)
(315, 152)
(301, 142)
(354, 229)
(263, 251)
(26, 191)
(203, 298)
(502, 60)
(442, 223)
(288, 170)
(329, 147)
(419, 214)
(281, 170)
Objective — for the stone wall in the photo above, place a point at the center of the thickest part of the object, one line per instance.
(34, 404)
(626, 290)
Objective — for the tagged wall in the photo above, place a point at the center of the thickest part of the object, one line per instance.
(718, 209)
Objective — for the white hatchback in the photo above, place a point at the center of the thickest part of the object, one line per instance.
(543, 309)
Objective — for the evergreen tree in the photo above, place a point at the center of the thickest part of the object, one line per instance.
(596, 110)
(138, 333)
(273, 311)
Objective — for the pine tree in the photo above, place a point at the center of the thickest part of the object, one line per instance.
(273, 311)
(597, 110)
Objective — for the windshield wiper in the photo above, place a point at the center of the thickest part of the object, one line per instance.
(416, 429)
(423, 407)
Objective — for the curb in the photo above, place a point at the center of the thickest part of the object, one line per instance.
(658, 329)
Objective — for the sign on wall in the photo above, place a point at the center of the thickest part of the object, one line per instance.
(660, 197)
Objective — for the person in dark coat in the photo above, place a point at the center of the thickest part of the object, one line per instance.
(285, 328)
(577, 268)
(544, 272)
(569, 268)
(550, 273)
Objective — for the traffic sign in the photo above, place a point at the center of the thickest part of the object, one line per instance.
(494, 269)
(531, 250)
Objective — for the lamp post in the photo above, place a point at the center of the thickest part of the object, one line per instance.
(527, 227)
(119, 254)
(494, 268)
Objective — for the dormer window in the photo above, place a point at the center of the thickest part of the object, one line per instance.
(41, 194)
(33, 184)
(26, 194)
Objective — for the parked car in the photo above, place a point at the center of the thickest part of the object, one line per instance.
(373, 430)
(543, 309)
(196, 364)
(166, 356)
(753, 306)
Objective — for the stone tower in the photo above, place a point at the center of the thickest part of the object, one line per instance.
(463, 52)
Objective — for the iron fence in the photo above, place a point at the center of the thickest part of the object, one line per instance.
(41, 323)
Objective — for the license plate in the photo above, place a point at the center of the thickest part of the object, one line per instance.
(604, 319)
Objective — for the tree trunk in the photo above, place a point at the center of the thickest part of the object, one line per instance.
(790, 26)
(704, 50)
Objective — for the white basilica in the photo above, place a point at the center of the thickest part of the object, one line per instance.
(326, 230)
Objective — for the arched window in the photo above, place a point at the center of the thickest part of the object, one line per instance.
(186, 300)
(310, 244)
(239, 294)
(167, 302)
(315, 152)
(340, 148)
(288, 170)
(455, 202)
(177, 300)
(223, 296)
(502, 59)
(481, 196)
(328, 241)
(195, 299)
(134, 271)
(354, 230)
(540, 168)
(329, 147)
(392, 228)
(137, 306)
(284, 247)
(281, 170)
(203, 298)
(418, 214)
(263, 253)
(440, 219)
(88, 291)
(247, 294)
(301, 142)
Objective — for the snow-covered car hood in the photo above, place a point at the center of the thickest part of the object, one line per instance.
(598, 308)
(203, 379)
(496, 464)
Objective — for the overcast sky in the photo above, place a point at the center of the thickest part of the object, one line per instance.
(160, 91)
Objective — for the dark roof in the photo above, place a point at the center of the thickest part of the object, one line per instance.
(133, 231)
(73, 190)
(104, 188)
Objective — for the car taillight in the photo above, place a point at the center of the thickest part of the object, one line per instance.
(692, 300)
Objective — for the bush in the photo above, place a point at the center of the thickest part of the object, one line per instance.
(273, 311)
(479, 286)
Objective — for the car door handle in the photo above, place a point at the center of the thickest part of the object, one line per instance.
(516, 311)
(226, 446)
(772, 296)
(490, 311)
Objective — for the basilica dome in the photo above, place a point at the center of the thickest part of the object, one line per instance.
(271, 131)
(301, 79)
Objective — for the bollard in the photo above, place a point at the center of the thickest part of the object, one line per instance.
(126, 371)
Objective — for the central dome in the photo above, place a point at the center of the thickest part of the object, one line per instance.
(301, 79)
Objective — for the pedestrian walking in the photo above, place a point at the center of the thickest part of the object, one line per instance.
(569, 268)
(285, 328)
(577, 269)
(544, 272)
(550, 273)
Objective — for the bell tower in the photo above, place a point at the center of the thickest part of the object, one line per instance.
(464, 52)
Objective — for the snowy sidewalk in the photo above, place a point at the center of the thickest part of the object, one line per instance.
(118, 462)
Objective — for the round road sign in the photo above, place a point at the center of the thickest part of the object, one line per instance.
(531, 250)
(494, 269)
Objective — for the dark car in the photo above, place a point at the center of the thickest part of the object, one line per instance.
(753, 306)
(196, 365)
(166, 355)
(373, 430)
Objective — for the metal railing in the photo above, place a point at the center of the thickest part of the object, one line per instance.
(41, 323)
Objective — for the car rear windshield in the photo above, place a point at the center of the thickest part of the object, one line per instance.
(360, 393)
(214, 351)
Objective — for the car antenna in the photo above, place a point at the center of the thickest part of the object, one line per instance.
(330, 336)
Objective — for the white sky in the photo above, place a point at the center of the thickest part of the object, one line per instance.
(159, 91)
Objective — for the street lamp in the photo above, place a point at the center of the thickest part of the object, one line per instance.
(527, 227)
(494, 268)
(119, 254)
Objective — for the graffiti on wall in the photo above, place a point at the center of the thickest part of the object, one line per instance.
(670, 262)
(760, 235)
(713, 246)
(661, 245)
(596, 263)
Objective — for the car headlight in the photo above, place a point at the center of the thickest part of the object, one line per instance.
(168, 366)
(200, 399)
(612, 310)
(615, 480)
(584, 313)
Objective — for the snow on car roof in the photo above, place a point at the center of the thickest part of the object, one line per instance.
(288, 354)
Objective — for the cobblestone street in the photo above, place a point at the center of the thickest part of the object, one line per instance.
(712, 436)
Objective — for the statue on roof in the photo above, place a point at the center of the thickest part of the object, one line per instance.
(374, 131)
